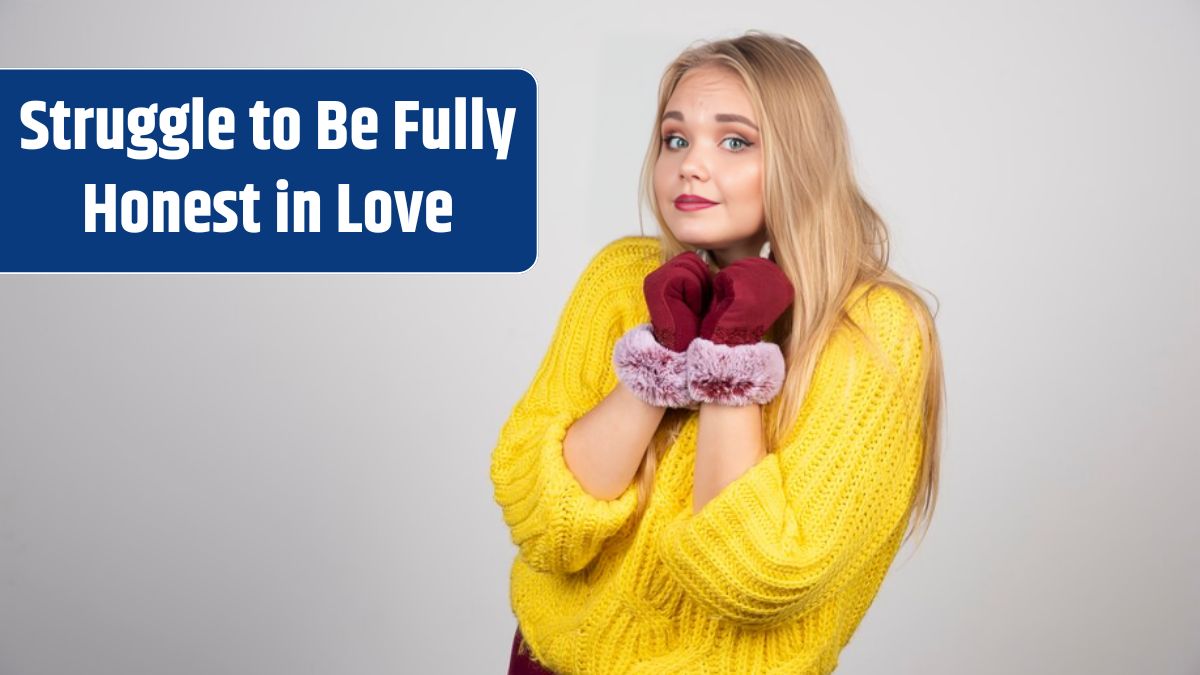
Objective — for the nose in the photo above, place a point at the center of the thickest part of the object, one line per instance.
(694, 165)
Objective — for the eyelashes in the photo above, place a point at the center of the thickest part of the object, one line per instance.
(744, 144)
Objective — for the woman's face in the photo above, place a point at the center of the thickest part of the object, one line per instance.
(711, 149)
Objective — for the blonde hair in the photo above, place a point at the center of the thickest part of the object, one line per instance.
(824, 235)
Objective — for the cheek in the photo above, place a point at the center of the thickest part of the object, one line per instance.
(662, 179)
(745, 205)
(745, 186)
(750, 181)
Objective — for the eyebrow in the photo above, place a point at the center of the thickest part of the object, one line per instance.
(721, 117)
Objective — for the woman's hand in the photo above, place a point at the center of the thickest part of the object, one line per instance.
(678, 294)
(749, 294)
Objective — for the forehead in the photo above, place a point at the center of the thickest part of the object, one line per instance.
(708, 90)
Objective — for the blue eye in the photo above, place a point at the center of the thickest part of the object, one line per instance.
(673, 137)
(744, 143)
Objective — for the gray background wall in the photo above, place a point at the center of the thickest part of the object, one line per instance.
(289, 473)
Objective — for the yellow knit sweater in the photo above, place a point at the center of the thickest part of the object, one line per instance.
(775, 572)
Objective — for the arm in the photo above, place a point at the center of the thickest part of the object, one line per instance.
(795, 526)
(557, 524)
(728, 443)
(604, 447)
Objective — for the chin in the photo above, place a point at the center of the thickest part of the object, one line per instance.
(692, 234)
(692, 242)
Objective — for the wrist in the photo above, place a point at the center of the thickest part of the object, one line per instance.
(655, 374)
(734, 375)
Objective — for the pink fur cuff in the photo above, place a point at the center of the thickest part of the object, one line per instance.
(652, 372)
(737, 375)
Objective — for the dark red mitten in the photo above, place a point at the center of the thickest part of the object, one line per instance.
(651, 358)
(677, 295)
(728, 363)
(749, 295)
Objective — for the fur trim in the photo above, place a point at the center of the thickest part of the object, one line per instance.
(654, 373)
(737, 375)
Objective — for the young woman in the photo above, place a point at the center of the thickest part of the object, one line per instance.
(736, 424)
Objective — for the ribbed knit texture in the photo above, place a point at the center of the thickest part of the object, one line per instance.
(775, 572)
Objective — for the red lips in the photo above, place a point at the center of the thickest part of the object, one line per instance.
(692, 203)
(692, 199)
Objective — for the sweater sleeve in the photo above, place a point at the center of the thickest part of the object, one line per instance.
(558, 526)
(800, 524)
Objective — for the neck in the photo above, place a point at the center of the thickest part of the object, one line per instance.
(722, 257)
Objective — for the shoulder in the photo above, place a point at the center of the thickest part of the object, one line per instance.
(880, 304)
(620, 266)
(889, 320)
(625, 257)
(611, 282)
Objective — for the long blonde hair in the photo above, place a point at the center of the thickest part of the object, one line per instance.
(824, 235)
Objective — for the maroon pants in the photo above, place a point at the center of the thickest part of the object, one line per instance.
(523, 664)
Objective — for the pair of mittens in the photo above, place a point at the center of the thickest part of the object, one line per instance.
(703, 343)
